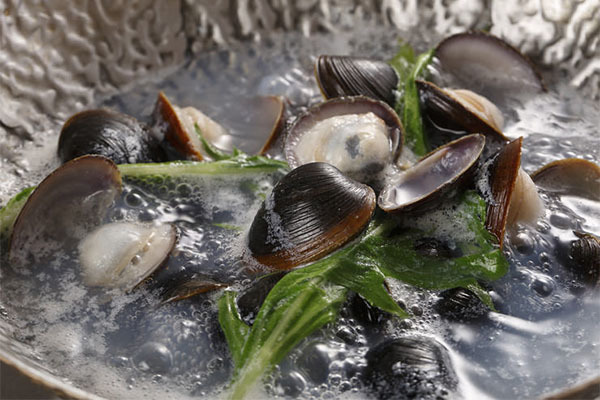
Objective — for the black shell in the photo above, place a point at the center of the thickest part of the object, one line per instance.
(409, 367)
(585, 256)
(423, 186)
(111, 134)
(460, 305)
(339, 76)
(311, 212)
(252, 298)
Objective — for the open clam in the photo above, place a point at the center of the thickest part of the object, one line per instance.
(260, 119)
(451, 113)
(109, 133)
(573, 176)
(488, 65)
(514, 197)
(66, 205)
(357, 135)
(311, 212)
(424, 185)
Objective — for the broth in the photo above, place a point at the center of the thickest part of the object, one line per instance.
(544, 337)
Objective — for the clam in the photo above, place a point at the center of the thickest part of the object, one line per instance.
(122, 254)
(461, 305)
(572, 176)
(311, 212)
(450, 113)
(423, 186)
(252, 298)
(357, 135)
(585, 258)
(66, 205)
(339, 76)
(514, 197)
(260, 121)
(409, 367)
(112, 134)
(488, 65)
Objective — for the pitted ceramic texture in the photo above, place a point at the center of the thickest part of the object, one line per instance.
(58, 57)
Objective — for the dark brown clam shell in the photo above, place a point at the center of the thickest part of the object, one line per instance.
(585, 256)
(311, 212)
(572, 176)
(111, 134)
(413, 366)
(488, 65)
(345, 106)
(66, 205)
(423, 186)
(503, 176)
(339, 76)
(260, 120)
(252, 298)
(446, 118)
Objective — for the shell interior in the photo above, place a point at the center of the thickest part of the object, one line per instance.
(431, 174)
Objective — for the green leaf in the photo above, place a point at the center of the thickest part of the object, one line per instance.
(211, 150)
(233, 326)
(300, 303)
(9, 213)
(308, 298)
(366, 279)
(242, 164)
(409, 68)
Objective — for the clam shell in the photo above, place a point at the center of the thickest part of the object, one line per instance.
(412, 366)
(488, 65)
(67, 204)
(339, 76)
(572, 176)
(111, 134)
(446, 118)
(258, 121)
(585, 258)
(311, 212)
(344, 106)
(423, 186)
(502, 184)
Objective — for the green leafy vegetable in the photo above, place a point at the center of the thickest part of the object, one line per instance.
(410, 67)
(9, 213)
(308, 298)
(240, 164)
(212, 151)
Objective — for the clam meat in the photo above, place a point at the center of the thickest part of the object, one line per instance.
(357, 135)
(123, 254)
